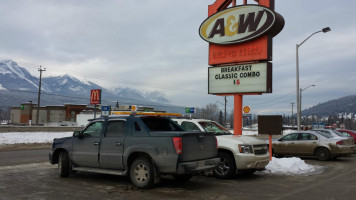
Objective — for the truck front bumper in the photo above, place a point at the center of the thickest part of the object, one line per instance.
(251, 161)
(197, 166)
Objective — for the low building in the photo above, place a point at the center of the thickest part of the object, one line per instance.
(27, 113)
(67, 114)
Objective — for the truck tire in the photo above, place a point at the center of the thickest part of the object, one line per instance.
(63, 164)
(227, 166)
(142, 173)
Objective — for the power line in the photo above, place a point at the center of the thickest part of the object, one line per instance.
(277, 100)
(99, 77)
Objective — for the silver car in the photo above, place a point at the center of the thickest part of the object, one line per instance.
(313, 143)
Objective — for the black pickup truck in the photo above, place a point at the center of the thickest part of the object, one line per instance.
(142, 147)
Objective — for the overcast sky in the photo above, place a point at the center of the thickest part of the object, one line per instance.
(155, 45)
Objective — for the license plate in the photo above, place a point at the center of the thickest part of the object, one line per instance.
(201, 164)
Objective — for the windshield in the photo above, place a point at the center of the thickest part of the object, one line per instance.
(214, 127)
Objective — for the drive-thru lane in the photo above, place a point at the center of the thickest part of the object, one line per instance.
(39, 180)
(22, 157)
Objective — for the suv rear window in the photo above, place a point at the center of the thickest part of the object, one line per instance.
(160, 124)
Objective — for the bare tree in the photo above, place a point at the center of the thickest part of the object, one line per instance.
(211, 111)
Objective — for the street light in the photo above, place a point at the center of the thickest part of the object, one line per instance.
(324, 30)
(300, 101)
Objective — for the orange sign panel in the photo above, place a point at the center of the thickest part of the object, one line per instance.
(258, 49)
(95, 96)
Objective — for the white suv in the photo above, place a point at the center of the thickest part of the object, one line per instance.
(238, 153)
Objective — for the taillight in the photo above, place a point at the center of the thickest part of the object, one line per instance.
(340, 142)
(216, 140)
(177, 141)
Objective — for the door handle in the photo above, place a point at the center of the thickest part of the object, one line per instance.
(292, 142)
(96, 143)
(118, 143)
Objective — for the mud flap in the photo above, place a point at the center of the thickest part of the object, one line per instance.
(157, 175)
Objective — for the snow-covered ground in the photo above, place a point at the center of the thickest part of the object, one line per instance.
(286, 166)
(31, 137)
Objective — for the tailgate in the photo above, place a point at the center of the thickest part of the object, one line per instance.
(198, 146)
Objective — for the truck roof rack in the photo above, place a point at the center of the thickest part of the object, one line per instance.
(128, 113)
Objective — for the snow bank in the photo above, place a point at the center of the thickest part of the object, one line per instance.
(255, 132)
(31, 137)
(288, 166)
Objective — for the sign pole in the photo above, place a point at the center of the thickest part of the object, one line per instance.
(95, 111)
(237, 114)
(95, 98)
(270, 147)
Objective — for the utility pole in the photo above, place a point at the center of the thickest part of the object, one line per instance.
(292, 114)
(39, 93)
(225, 113)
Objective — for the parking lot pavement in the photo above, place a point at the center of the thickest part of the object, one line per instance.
(333, 180)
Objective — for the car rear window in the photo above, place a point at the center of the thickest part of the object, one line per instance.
(324, 134)
(338, 133)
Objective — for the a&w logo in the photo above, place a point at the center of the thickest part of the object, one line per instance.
(237, 24)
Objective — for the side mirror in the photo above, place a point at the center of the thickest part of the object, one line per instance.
(78, 134)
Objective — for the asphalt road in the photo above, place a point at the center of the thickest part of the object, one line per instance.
(24, 156)
(21, 178)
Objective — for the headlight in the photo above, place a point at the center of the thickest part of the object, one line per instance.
(245, 148)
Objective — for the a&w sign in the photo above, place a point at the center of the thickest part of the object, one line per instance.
(238, 24)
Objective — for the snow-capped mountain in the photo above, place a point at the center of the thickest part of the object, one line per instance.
(128, 92)
(69, 85)
(154, 96)
(157, 96)
(16, 79)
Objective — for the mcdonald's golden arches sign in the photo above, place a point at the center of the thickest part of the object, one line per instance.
(95, 96)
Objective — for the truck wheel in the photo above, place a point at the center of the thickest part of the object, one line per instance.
(182, 177)
(322, 154)
(63, 164)
(142, 173)
(226, 168)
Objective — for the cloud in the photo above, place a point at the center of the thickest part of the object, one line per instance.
(155, 45)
